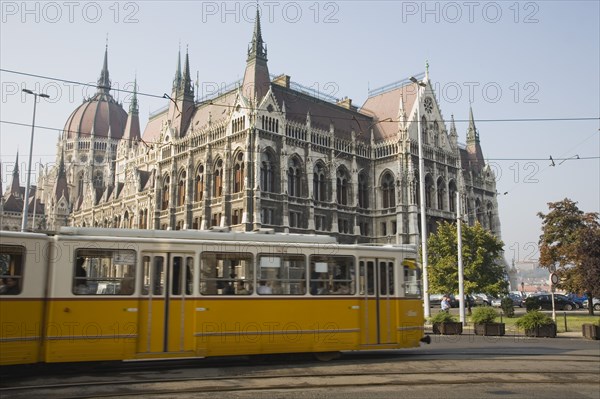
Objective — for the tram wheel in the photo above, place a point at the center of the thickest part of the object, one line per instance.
(327, 356)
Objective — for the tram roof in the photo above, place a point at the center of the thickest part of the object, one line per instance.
(265, 235)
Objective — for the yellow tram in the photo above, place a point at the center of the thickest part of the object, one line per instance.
(89, 294)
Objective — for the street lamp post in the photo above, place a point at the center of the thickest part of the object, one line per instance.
(422, 197)
(26, 197)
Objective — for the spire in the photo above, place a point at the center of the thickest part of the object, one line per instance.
(256, 78)
(186, 83)
(104, 81)
(177, 79)
(474, 153)
(15, 187)
(453, 126)
(472, 134)
(61, 188)
(133, 107)
(257, 48)
(61, 165)
(132, 127)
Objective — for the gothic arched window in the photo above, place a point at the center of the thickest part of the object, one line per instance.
(165, 192)
(452, 196)
(238, 173)
(363, 193)
(199, 183)
(319, 183)
(181, 188)
(441, 193)
(388, 191)
(218, 179)
(294, 178)
(342, 183)
(267, 173)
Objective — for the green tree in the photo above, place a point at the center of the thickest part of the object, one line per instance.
(482, 267)
(570, 246)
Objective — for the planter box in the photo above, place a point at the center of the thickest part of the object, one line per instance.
(590, 331)
(448, 328)
(497, 329)
(547, 331)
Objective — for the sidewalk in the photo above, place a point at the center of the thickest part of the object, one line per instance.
(468, 330)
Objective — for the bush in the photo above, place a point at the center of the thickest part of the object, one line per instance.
(484, 314)
(532, 303)
(533, 319)
(508, 307)
(442, 317)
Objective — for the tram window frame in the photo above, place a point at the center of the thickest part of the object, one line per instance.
(272, 269)
(388, 289)
(12, 266)
(412, 281)
(217, 278)
(104, 268)
(329, 282)
(187, 264)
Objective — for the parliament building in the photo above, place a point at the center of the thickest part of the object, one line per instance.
(264, 153)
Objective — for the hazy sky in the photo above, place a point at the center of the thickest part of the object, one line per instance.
(518, 64)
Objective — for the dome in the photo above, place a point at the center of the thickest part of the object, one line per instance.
(99, 116)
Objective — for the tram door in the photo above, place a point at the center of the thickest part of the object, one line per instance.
(378, 313)
(166, 309)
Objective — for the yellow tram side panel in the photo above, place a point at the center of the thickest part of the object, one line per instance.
(411, 322)
(20, 330)
(88, 329)
(276, 325)
(151, 329)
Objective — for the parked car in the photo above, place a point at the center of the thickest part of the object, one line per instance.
(482, 299)
(578, 299)
(595, 301)
(561, 302)
(516, 299)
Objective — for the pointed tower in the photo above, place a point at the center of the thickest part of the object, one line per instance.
(132, 128)
(256, 78)
(61, 187)
(181, 107)
(15, 187)
(474, 152)
(104, 83)
(453, 134)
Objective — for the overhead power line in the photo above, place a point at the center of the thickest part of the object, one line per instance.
(351, 118)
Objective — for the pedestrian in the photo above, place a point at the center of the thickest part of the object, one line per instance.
(445, 304)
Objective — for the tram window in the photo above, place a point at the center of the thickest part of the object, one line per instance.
(332, 275)
(367, 278)
(226, 273)
(386, 278)
(282, 274)
(182, 276)
(412, 280)
(153, 280)
(104, 272)
(11, 269)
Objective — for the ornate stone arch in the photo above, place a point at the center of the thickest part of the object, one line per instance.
(268, 168)
(441, 193)
(343, 185)
(218, 171)
(238, 170)
(295, 176)
(181, 186)
(320, 173)
(387, 184)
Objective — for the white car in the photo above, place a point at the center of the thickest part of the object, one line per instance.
(595, 301)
